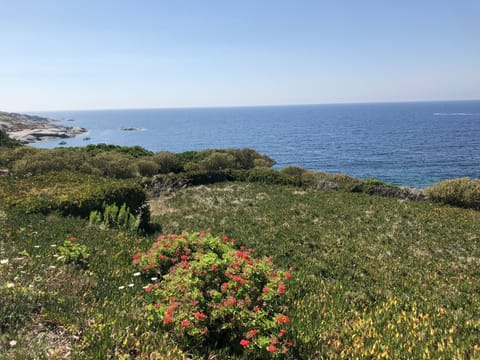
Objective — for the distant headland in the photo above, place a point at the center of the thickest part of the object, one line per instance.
(30, 128)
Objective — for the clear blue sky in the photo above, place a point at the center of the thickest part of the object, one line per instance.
(94, 54)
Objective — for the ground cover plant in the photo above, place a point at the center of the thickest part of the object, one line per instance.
(372, 277)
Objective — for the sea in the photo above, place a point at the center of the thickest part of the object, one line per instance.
(413, 144)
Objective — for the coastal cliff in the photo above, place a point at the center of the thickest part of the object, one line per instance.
(30, 128)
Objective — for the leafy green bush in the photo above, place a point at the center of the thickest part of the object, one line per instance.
(72, 194)
(212, 295)
(71, 252)
(249, 159)
(293, 171)
(147, 167)
(116, 165)
(463, 192)
(221, 159)
(167, 162)
(133, 151)
(115, 217)
(217, 161)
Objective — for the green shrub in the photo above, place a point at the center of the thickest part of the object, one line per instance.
(217, 161)
(72, 194)
(463, 192)
(133, 151)
(221, 159)
(115, 217)
(167, 162)
(213, 295)
(71, 252)
(6, 142)
(45, 161)
(249, 159)
(116, 165)
(147, 167)
(293, 171)
(261, 175)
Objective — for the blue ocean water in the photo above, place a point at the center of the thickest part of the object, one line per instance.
(411, 144)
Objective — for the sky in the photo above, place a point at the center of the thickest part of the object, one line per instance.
(114, 54)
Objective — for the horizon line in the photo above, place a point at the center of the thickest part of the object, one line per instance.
(253, 106)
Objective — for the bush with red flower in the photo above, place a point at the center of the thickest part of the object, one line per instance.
(216, 295)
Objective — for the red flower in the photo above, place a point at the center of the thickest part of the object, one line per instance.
(252, 332)
(200, 315)
(170, 310)
(225, 239)
(148, 288)
(288, 275)
(168, 319)
(73, 238)
(282, 332)
(185, 323)
(266, 290)
(184, 257)
(244, 342)
(283, 319)
(281, 288)
(256, 308)
(271, 349)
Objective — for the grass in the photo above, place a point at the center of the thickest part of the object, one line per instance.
(373, 276)
(355, 256)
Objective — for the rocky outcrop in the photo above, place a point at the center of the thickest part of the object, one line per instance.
(29, 128)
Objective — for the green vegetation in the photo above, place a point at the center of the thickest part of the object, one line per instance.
(113, 216)
(214, 295)
(463, 192)
(6, 142)
(349, 274)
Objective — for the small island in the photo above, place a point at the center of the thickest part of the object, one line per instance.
(30, 128)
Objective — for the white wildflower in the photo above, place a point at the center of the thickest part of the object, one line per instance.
(12, 343)
(121, 287)
(131, 285)
(4, 261)
(137, 274)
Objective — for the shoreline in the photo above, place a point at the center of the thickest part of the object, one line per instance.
(29, 129)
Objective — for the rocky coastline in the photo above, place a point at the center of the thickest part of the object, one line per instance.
(31, 128)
